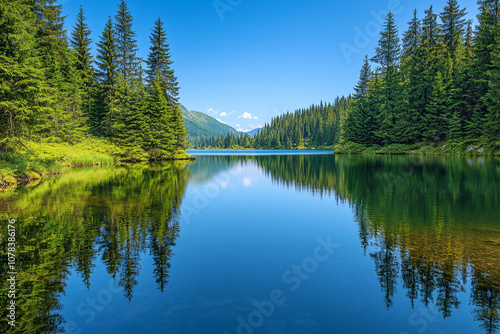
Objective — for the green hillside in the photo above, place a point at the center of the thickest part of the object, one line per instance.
(201, 125)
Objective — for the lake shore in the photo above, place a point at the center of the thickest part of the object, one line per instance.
(29, 161)
(465, 148)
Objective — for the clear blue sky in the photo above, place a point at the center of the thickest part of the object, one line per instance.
(249, 60)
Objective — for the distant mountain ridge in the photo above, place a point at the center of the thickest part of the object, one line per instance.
(201, 125)
(254, 132)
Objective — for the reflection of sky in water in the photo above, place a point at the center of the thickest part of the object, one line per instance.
(246, 225)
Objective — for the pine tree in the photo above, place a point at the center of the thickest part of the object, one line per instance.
(453, 29)
(159, 63)
(105, 112)
(131, 120)
(411, 104)
(159, 117)
(81, 42)
(388, 57)
(126, 56)
(433, 122)
(179, 130)
(23, 92)
(66, 120)
(486, 35)
(492, 100)
(357, 123)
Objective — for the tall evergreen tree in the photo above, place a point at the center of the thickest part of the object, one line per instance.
(105, 112)
(492, 100)
(411, 105)
(23, 92)
(358, 124)
(127, 60)
(388, 57)
(453, 29)
(159, 63)
(486, 35)
(80, 41)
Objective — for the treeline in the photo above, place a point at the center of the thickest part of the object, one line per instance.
(54, 89)
(440, 82)
(316, 126)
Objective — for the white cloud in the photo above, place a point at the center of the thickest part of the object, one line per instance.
(212, 111)
(247, 115)
(224, 114)
(247, 182)
(249, 127)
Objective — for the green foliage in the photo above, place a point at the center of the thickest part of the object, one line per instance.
(316, 126)
(126, 56)
(50, 91)
(442, 87)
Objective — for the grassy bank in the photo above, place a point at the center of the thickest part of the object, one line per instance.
(465, 148)
(28, 161)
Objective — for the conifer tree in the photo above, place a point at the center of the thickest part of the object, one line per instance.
(159, 117)
(81, 42)
(486, 35)
(127, 60)
(453, 29)
(388, 57)
(23, 92)
(107, 70)
(492, 100)
(159, 63)
(411, 105)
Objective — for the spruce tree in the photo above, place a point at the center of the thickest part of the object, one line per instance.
(105, 112)
(81, 42)
(411, 105)
(452, 30)
(388, 56)
(127, 60)
(486, 35)
(159, 63)
(492, 99)
(23, 93)
(160, 126)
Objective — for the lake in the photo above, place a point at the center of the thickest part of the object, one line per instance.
(259, 242)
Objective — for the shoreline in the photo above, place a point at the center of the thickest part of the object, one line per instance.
(11, 182)
(30, 162)
(470, 148)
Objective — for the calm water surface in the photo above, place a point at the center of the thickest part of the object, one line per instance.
(254, 242)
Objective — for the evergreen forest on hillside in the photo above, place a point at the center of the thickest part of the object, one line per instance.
(437, 83)
(59, 87)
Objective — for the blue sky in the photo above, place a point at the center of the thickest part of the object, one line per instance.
(245, 61)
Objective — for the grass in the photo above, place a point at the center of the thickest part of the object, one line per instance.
(465, 148)
(29, 160)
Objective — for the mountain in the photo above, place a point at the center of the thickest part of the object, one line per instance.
(199, 124)
(254, 132)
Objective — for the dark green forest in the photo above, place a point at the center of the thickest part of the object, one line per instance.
(62, 87)
(318, 125)
(437, 83)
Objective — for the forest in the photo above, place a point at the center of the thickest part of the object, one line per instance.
(318, 125)
(56, 90)
(438, 85)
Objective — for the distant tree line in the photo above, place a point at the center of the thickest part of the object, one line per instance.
(52, 87)
(440, 82)
(316, 126)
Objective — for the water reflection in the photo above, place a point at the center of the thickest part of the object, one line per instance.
(428, 222)
(111, 214)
